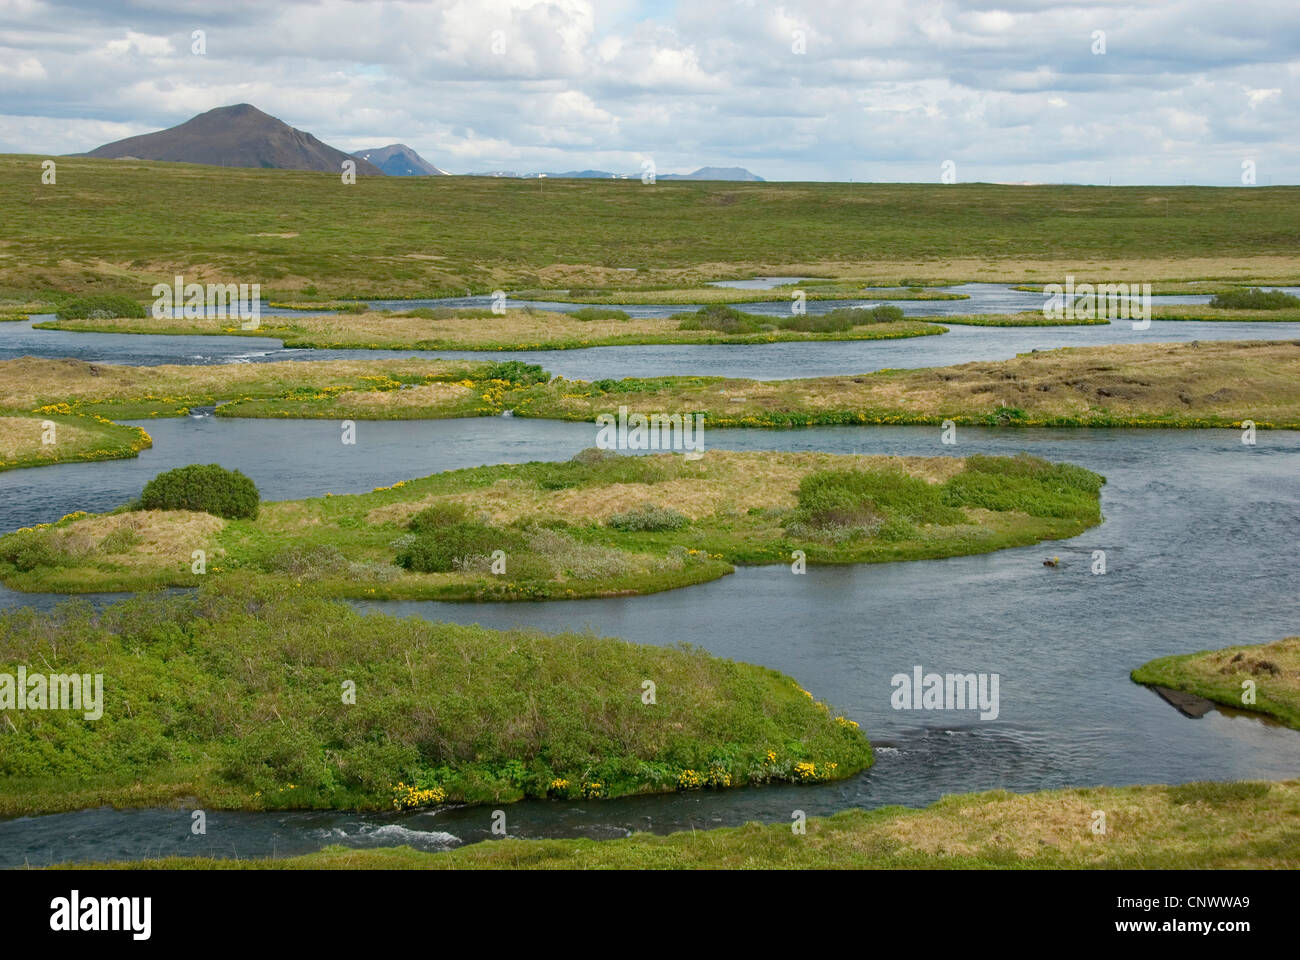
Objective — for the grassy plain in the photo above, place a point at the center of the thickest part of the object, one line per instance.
(115, 226)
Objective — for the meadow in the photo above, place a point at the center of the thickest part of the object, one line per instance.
(120, 226)
(1270, 672)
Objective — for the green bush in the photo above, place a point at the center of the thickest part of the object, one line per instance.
(516, 372)
(599, 313)
(104, 307)
(843, 318)
(648, 518)
(28, 549)
(206, 488)
(438, 515)
(725, 319)
(1255, 299)
(438, 550)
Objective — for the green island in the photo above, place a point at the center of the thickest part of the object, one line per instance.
(1236, 825)
(245, 699)
(33, 440)
(601, 524)
(448, 328)
(1260, 678)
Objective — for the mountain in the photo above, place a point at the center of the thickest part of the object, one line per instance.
(714, 173)
(235, 136)
(399, 160)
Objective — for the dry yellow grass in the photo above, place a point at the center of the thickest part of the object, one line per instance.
(20, 437)
(162, 538)
(430, 394)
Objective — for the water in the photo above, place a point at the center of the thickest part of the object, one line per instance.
(1199, 537)
(768, 361)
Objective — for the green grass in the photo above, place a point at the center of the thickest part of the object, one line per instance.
(1270, 672)
(237, 699)
(110, 226)
(75, 438)
(1256, 299)
(1250, 825)
(561, 528)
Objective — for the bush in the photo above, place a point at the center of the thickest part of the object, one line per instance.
(100, 308)
(843, 318)
(648, 518)
(438, 515)
(720, 317)
(599, 313)
(206, 488)
(842, 504)
(438, 551)
(1255, 299)
(516, 372)
(29, 549)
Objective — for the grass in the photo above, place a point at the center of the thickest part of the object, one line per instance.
(1243, 825)
(481, 329)
(28, 440)
(1271, 672)
(108, 226)
(562, 530)
(239, 699)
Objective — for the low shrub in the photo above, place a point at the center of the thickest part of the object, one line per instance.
(438, 515)
(438, 550)
(206, 488)
(516, 372)
(722, 318)
(104, 307)
(599, 313)
(648, 518)
(1255, 299)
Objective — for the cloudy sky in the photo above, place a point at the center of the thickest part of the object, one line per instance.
(1016, 91)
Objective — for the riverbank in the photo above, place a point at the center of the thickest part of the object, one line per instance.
(447, 328)
(1261, 678)
(1234, 825)
(244, 699)
(598, 525)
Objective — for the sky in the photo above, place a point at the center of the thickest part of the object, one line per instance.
(1157, 92)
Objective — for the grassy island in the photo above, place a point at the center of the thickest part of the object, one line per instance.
(245, 699)
(1264, 678)
(601, 524)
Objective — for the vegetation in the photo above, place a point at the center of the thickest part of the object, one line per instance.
(812, 290)
(101, 307)
(1255, 299)
(460, 328)
(108, 226)
(1264, 678)
(730, 320)
(593, 526)
(247, 699)
(205, 489)
(33, 440)
(1247, 825)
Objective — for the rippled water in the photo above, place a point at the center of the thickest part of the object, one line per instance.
(1199, 536)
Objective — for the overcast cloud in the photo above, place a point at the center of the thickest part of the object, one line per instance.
(1185, 91)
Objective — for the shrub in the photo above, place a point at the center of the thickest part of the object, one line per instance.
(100, 308)
(720, 317)
(516, 372)
(206, 488)
(648, 518)
(594, 455)
(438, 550)
(843, 504)
(29, 549)
(843, 318)
(1255, 299)
(438, 515)
(599, 313)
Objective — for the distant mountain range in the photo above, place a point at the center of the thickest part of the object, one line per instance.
(243, 136)
(704, 173)
(399, 160)
(236, 136)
